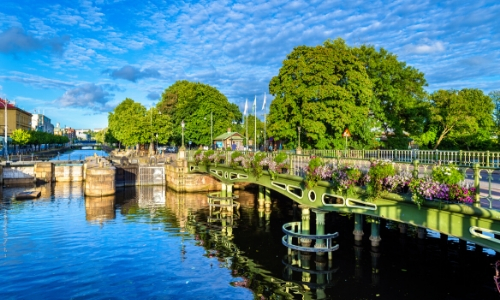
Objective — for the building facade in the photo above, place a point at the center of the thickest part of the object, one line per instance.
(40, 122)
(13, 117)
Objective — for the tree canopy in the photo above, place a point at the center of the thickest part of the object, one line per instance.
(203, 108)
(463, 118)
(399, 103)
(322, 89)
(131, 123)
(20, 137)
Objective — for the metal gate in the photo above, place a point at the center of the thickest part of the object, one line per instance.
(151, 175)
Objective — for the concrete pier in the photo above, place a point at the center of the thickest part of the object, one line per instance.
(100, 181)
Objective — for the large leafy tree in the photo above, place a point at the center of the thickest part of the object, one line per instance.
(322, 89)
(464, 117)
(127, 121)
(205, 111)
(131, 123)
(399, 96)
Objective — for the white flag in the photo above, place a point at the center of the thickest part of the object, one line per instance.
(246, 107)
(264, 105)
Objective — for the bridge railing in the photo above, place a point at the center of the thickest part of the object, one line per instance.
(461, 158)
(481, 169)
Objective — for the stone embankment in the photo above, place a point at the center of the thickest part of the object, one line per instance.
(102, 176)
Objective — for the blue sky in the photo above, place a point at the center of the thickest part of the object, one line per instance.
(76, 60)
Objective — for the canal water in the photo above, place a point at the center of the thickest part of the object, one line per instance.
(78, 154)
(154, 243)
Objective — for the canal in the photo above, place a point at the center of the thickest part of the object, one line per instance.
(153, 243)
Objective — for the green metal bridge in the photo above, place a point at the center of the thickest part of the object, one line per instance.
(478, 223)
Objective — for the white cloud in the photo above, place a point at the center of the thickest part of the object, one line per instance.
(88, 95)
(428, 48)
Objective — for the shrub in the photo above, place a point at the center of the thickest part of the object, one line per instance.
(449, 174)
(313, 172)
(379, 170)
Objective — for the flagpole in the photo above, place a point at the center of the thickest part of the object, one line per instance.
(255, 124)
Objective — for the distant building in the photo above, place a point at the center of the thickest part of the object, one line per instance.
(58, 130)
(16, 117)
(40, 122)
(229, 140)
(83, 134)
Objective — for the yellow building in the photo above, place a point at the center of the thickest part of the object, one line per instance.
(16, 118)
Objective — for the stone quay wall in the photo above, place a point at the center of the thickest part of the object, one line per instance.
(102, 178)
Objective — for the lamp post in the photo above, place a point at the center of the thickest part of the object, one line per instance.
(5, 103)
(211, 130)
(182, 125)
(299, 149)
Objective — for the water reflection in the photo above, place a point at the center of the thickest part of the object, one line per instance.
(245, 242)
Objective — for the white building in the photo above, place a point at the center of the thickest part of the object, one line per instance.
(40, 122)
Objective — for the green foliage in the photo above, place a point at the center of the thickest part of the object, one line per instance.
(312, 174)
(464, 116)
(280, 157)
(399, 93)
(207, 157)
(448, 174)
(38, 138)
(323, 89)
(257, 168)
(20, 137)
(235, 155)
(328, 88)
(202, 107)
(378, 171)
(132, 124)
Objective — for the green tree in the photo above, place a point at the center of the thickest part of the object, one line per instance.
(195, 103)
(131, 124)
(20, 137)
(322, 89)
(399, 97)
(127, 121)
(464, 116)
(495, 97)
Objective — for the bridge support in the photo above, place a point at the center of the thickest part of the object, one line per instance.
(358, 227)
(375, 235)
(306, 227)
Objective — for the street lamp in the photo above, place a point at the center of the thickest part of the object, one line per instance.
(5, 103)
(182, 125)
(298, 129)
(211, 130)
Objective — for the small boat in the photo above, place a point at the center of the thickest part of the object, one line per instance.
(27, 195)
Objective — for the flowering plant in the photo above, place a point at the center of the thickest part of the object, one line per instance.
(240, 160)
(379, 170)
(429, 189)
(257, 167)
(448, 174)
(234, 156)
(209, 157)
(198, 157)
(398, 183)
(346, 177)
(221, 157)
(314, 171)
